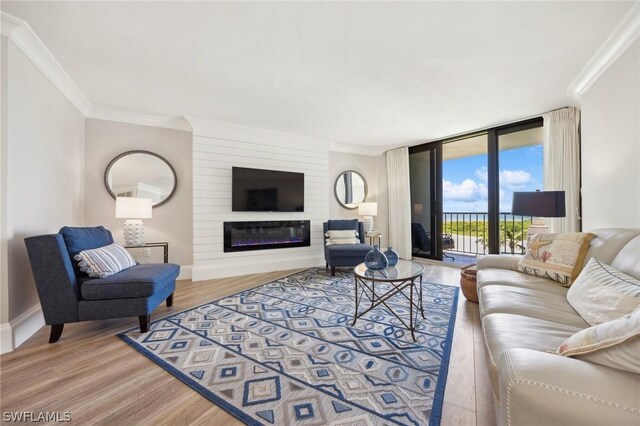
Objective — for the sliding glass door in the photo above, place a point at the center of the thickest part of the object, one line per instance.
(425, 166)
(462, 188)
(465, 197)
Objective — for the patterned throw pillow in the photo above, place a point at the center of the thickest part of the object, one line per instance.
(104, 261)
(349, 236)
(601, 293)
(614, 343)
(558, 257)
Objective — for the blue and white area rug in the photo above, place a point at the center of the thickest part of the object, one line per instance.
(285, 353)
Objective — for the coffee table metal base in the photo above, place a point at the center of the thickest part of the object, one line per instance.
(365, 288)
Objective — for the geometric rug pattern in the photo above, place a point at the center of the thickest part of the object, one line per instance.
(286, 353)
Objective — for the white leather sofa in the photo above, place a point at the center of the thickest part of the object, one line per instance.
(525, 319)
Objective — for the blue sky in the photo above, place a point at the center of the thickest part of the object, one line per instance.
(465, 179)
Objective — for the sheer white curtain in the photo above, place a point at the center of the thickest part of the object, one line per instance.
(562, 164)
(399, 201)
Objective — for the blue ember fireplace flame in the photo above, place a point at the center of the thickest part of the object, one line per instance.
(262, 235)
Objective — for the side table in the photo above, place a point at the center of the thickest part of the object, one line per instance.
(164, 245)
(373, 236)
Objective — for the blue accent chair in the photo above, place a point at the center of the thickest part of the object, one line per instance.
(68, 295)
(421, 240)
(344, 255)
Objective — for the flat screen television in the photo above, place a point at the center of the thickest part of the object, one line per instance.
(257, 190)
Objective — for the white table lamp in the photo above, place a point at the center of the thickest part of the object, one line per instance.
(134, 210)
(368, 210)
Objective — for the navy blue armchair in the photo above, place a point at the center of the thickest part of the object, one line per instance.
(343, 255)
(421, 240)
(68, 295)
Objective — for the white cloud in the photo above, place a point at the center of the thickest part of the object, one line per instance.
(467, 191)
(472, 195)
(514, 179)
(482, 173)
(509, 179)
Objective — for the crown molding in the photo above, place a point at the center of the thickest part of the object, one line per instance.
(24, 38)
(132, 117)
(618, 41)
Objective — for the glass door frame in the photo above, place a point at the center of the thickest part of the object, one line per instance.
(493, 181)
(435, 196)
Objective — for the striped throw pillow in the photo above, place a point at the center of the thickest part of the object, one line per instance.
(601, 293)
(104, 261)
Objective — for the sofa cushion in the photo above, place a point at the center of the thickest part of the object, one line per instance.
(628, 259)
(608, 242)
(602, 293)
(613, 343)
(139, 281)
(104, 261)
(558, 257)
(77, 239)
(504, 277)
(348, 250)
(528, 303)
(507, 331)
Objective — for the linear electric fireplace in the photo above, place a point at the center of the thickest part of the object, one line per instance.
(263, 235)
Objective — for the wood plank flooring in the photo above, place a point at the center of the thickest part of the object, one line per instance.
(98, 379)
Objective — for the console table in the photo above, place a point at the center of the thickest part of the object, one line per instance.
(164, 245)
(379, 286)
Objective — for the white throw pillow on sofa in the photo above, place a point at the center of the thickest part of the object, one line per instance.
(615, 344)
(349, 236)
(601, 293)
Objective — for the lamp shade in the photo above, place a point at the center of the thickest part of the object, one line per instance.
(133, 208)
(368, 209)
(539, 204)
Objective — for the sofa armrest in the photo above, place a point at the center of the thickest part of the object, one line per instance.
(500, 261)
(538, 388)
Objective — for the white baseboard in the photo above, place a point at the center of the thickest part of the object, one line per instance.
(6, 339)
(26, 325)
(18, 330)
(210, 272)
(185, 272)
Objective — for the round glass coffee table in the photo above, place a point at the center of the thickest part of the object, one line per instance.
(395, 280)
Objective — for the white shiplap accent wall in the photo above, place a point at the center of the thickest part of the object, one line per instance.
(218, 147)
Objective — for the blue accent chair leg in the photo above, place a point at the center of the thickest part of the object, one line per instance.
(144, 323)
(56, 332)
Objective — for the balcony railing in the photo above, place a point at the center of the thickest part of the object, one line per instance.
(470, 232)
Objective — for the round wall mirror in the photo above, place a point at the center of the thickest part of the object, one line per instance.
(141, 174)
(350, 189)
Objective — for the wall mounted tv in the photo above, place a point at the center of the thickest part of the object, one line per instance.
(257, 190)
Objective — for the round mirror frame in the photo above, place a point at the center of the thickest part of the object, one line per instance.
(140, 151)
(335, 192)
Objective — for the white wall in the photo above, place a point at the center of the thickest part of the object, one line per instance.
(5, 329)
(611, 146)
(217, 148)
(373, 169)
(42, 175)
(171, 222)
